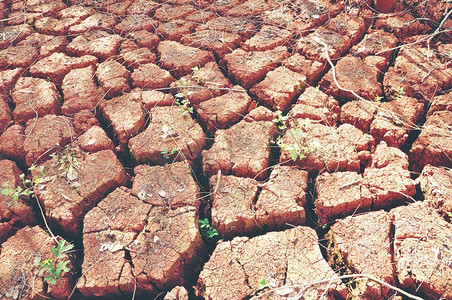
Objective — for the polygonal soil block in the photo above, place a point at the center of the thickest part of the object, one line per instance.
(137, 243)
(94, 21)
(166, 251)
(20, 272)
(315, 105)
(250, 9)
(136, 57)
(94, 139)
(312, 69)
(311, 14)
(282, 198)
(313, 45)
(358, 113)
(151, 99)
(364, 243)
(269, 37)
(436, 185)
(394, 120)
(168, 12)
(347, 24)
(326, 148)
(403, 25)
(171, 185)
(44, 135)
(34, 97)
(125, 115)
(375, 42)
(151, 76)
(233, 200)
(242, 150)
(54, 26)
(175, 29)
(12, 211)
(290, 257)
(6, 117)
(386, 182)
(220, 7)
(113, 78)
(433, 146)
(83, 120)
(200, 16)
(419, 72)
(97, 43)
(177, 293)
(10, 35)
(18, 56)
(80, 91)
(279, 88)
(117, 8)
(340, 194)
(439, 103)
(225, 110)
(171, 135)
(208, 80)
(67, 195)
(58, 64)
(180, 59)
(219, 42)
(355, 74)
(144, 38)
(142, 7)
(45, 7)
(248, 68)
(76, 11)
(421, 251)
(8, 78)
(243, 26)
(46, 44)
(12, 143)
(133, 23)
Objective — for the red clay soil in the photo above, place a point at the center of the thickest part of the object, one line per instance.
(226, 149)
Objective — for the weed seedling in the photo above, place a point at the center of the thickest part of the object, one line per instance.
(378, 98)
(399, 92)
(207, 230)
(298, 149)
(262, 283)
(27, 187)
(196, 75)
(280, 120)
(182, 97)
(167, 154)
(53, 268)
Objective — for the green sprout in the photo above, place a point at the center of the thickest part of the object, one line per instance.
(207, 230)
(53, 268)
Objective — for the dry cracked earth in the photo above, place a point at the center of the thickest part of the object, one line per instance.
(129, 121)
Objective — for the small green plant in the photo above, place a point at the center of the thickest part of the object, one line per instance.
(298, 149)
(207, 230)
(182, 97)
(53, 268)
(262, 283)
(167, 154)
(196, 75)
(280, 120)
(399, 92)
(378, 98)
(26, 189)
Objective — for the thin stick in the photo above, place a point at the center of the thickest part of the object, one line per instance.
(351, 276)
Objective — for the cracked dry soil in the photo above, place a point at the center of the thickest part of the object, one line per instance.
(138, 118)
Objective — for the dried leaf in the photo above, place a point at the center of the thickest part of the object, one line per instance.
(71, 173)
